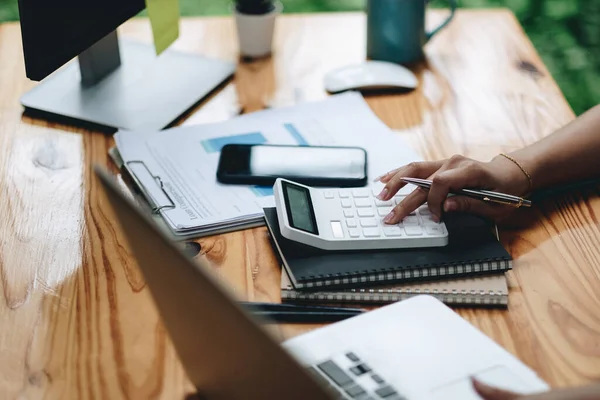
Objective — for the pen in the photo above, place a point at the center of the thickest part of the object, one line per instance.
(293, 313)
(483, 195)
(295, 307)
(304, 317)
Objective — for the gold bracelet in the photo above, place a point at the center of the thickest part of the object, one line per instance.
(521, 168)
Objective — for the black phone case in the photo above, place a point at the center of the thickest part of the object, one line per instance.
(308, 181)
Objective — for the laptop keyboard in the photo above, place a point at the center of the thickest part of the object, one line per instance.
(348, 377)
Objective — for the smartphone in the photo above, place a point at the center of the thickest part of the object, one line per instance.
(261, 164)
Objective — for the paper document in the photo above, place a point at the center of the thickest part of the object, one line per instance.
(164, 20)
(177, 167)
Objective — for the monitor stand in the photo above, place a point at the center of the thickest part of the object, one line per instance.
(131, 89)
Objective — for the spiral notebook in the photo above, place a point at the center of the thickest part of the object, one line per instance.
(484, 291)
(473, 249)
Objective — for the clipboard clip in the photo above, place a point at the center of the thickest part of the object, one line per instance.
(144, 182)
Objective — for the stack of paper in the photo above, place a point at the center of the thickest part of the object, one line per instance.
(176, 168)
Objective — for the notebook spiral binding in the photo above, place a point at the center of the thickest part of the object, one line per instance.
(417, 272)
(385, 296)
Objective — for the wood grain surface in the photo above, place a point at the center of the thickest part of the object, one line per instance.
(76, 320)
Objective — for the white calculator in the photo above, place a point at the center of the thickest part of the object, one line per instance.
(350, 219)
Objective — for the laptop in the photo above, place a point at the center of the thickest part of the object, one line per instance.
(414, 349)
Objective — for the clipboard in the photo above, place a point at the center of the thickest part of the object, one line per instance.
(155, 199)
(150, 185)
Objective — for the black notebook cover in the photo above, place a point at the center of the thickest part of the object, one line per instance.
(472, 249)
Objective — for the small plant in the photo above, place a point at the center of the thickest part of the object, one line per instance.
(255, 7)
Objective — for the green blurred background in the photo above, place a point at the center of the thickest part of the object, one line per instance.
(566, 33)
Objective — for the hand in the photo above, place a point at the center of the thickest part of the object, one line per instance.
(590, 392)
(453, 174)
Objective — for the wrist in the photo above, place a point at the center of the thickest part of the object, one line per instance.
(514, 177)
(533, 163)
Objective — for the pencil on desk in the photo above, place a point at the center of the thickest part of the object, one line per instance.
(304, 317)
(296, 307)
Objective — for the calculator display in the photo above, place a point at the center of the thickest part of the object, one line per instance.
(299, 208)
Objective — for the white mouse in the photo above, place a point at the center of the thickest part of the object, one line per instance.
(370, 75)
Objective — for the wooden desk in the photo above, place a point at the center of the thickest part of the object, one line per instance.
(75, 317)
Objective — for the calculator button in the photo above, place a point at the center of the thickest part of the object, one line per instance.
(424, 210)
(382, 203)
(360, 193)
(363, 202)
(354, 232)
(398, 200)
(368, 222)
(351, 223)
(371, 232)
(411, 220)
(343, 193)
(349, 213)
(434, 229)
(329, 194)
(346, 203)
(428, 220)
(365, 212)
(383, 211)
(393, 230)
(336, 229)
(413, 230)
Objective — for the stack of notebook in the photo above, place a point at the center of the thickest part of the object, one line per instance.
(469, 271)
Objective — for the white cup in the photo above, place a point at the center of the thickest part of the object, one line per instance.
(255, 32)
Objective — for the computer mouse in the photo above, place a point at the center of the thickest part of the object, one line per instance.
(370, 75)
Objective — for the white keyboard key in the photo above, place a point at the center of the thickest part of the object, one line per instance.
(360, 193)
(383, 211)
(411, 220)
(343, 193)
(354, 233)
(384, 203)
(392, 231)
(368, 222)
(349, 213)
(336, 229)
(424, 210)
(398, 200)
(427, 220)
(434, 229)
(351, 223)
(346, 203)
(329, 194)
(413, 230)
(363, 202)
(365, 212)
(376, 191)
(371, 232)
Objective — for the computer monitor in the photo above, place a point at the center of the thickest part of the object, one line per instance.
(114, 83)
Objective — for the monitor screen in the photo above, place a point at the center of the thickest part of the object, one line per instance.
(56, 31)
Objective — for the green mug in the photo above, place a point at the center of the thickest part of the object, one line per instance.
(396, 29)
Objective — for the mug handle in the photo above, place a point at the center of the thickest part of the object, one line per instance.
(443, 24)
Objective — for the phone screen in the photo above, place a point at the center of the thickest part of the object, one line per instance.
(303, 163)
